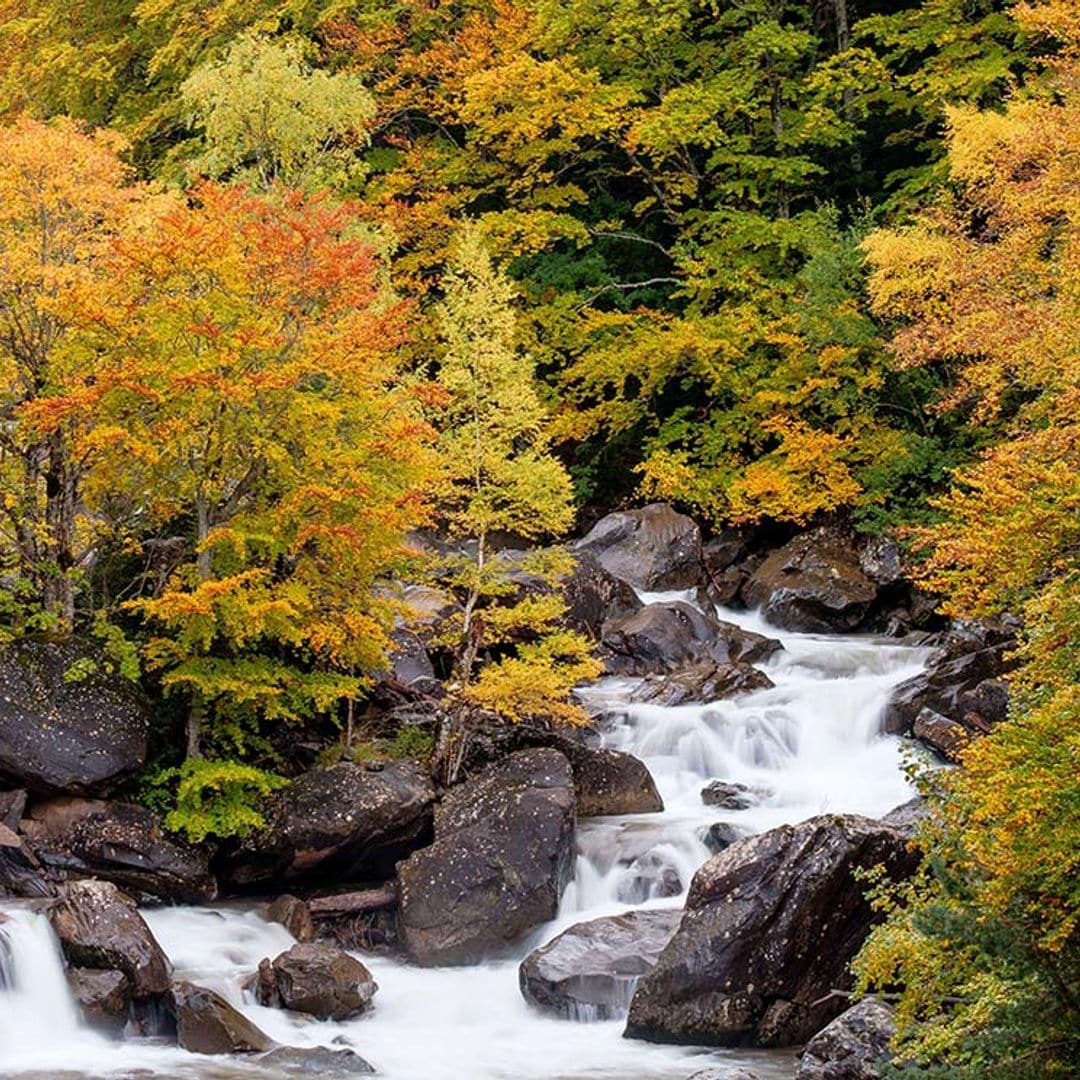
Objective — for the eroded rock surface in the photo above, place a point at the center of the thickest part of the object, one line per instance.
(320, 980)
(854, 1046)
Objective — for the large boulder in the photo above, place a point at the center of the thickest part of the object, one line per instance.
(119, 842)
(503, 853)
(294, 914)
(813, 583)
(314, 1061)
(963, 683)
(589, 971)
(653, 548)
(345, 823)
(317, 979)
(66, 723)
(21, 874)
(855, 1046)
(701, 683)
(99, 927)
(612, 782)
(770, 928)
(103, 996)
(671, 636)
(596, 598)
(207, 1024)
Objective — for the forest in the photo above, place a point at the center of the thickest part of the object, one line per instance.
(303, 299)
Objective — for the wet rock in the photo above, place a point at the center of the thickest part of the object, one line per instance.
(99, 927)
(122, 843)
(103, 996)
(612, 782)
(731, 796)
(724, 1073)
(882, 560)
(963, 682)
(813, 583)
(653, 549)
(701, 683)
(595, 599)
(503, 853)
(59, 734)
(342, 824)
(719, 836)
(589, 971)
(855, 1046)
(668, 637)
(207, 1024)
(940, 733)
(648, 877)
(315, 1061)
(21, 874)
(907, 817)
(294, 915)
(410, 665)
(12, 805)
(770, 928)
(320, 980)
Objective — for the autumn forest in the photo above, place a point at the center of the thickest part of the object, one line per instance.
(303, 299)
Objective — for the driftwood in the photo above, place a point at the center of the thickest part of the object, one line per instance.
(354, 903)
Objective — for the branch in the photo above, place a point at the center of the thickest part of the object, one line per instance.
(616, 234)
(628, 286)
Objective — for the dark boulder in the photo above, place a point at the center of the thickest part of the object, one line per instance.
(342, 824)
(589, 971)
(719, 836)
(940, 733)
(813, 583)
(12, 806)
(612, 782)
(410, 666)
(103, 996)
(119, 842)
(294, 915)
(63, 734)
(320, 980)
(855, 1046)
(21, 874)
(701, 683)
(770, 928)
(668, 637)
(907, 817)
(503, 853)
(99, 927)
(653, 548)
(595, 598)
(314, 1061)
(728, 795)
(207, 1024)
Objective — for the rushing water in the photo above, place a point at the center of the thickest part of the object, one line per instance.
(808, 745)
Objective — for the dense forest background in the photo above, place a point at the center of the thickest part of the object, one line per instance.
(282, 280)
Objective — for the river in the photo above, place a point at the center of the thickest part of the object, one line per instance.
(809, 745)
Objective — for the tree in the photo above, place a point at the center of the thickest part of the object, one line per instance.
(267, 116)
(986, 943)
(499, 477)
(65, 199)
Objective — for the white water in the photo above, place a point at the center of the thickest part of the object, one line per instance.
(811, 744)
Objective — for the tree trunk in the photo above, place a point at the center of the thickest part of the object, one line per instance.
(60, 503)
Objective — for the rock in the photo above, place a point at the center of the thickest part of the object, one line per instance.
(940, 733)
(99, 927)
(730, 796)
(907, 817)
(410, 664)
(667, 637)
(294, 915)
(612, 782)
(649, 876)
(813, 583)
(724, 550)
(589, 971)
(882, 560)
(320, 980)
(854, 1046)
(342, 824)
(315, 1061)
(63, 735)
(653, 549)
(770, 928)
(701, 683)
(122, 843)
(719, 836)
(21, 874)
(596, 599)
(102, 995)
(723, 1073)
(207, 1024)
(962, 682)
(503, 853)
(12, 805)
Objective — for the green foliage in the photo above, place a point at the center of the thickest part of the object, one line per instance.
(218, 799)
